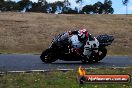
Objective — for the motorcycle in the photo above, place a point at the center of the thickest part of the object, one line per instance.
(60, 49)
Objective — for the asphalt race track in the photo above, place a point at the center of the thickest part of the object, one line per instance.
(18, 62)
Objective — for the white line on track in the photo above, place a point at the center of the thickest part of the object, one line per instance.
(30, 71)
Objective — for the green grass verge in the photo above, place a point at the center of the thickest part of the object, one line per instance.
(58, 79)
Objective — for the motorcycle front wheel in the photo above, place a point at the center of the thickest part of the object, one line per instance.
(48, 56)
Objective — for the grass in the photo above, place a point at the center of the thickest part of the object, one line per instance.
(58, 79)
(33, 32)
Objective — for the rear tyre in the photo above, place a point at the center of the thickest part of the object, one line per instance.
(95, 57)
(86, 60)
(102, 53)
(48, 56)
(99, 56)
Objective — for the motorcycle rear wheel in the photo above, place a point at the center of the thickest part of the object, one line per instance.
(104, 52)
(95, 57)
(48, 56)
(91, 59)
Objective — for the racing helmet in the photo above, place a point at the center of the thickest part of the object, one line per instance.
(82, 33)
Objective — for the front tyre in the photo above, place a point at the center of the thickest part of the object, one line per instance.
(48, 56)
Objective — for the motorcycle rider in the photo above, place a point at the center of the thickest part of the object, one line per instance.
(79, 37)
(83, 39)
(78, 40)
